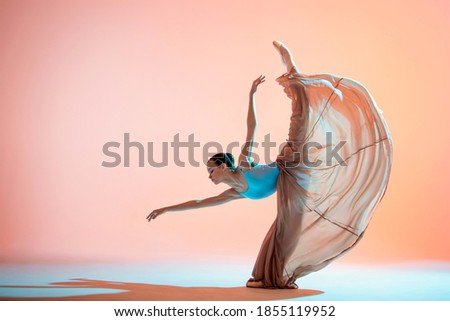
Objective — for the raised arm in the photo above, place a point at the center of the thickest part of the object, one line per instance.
(252, 122)
(222, 198)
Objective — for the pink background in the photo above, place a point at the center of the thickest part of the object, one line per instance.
(75, 75)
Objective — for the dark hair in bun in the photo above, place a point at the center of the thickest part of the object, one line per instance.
(221, 158)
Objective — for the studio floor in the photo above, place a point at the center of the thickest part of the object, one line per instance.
(416, 281)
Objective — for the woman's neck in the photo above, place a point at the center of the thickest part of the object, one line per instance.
(235, 180)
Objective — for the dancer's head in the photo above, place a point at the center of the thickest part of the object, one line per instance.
(217, 166)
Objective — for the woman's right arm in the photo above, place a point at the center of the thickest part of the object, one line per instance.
(222, 198)
(252, 122)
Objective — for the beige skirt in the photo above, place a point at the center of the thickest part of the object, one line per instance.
(329, 188)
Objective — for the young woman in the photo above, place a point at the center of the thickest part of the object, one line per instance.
(329, 178)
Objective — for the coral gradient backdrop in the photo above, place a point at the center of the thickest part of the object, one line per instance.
(75, 75)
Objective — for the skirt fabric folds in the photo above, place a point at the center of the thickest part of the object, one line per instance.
(327, 191)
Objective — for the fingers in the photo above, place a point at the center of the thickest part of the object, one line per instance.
(257, 82)
(152, 215)
(260, 79)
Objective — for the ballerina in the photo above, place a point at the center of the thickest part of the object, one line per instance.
(324, 205)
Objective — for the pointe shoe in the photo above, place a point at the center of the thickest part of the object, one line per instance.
(254, 284)
(277, 44)
(286, 56)
(292, 286)
(282, 49)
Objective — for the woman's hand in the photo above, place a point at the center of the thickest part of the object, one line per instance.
(256, 83)
(156, 213)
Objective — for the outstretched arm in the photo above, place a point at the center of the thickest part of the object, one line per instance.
(222, 198)
(252, 123)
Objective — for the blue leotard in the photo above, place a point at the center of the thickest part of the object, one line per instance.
(261, 180)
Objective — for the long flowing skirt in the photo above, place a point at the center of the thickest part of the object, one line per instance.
(328, 190)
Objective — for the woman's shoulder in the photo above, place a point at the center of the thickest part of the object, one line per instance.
(257, 166)
(247, 168)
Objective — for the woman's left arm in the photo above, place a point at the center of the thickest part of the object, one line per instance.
(226, 196)
(252, 124)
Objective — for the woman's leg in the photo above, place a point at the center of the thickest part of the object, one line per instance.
(296, 92)
(286, 56)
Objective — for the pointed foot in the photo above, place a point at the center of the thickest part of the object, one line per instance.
(255, 284)
(286, 56)
(277, 44)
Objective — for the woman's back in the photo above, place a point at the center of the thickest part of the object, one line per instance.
(261, 180)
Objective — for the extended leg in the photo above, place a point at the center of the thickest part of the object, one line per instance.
(286, 56)
(295, 90)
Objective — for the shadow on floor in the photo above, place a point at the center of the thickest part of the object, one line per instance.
(152, 292)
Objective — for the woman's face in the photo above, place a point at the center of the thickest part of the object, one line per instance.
(215, 172)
